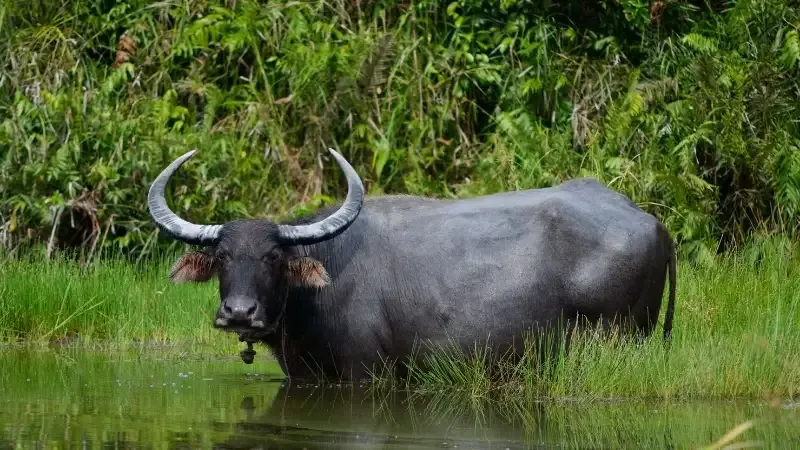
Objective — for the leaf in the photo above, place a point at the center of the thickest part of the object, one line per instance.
(531, 86)
(373, 73)
(380, 157)
(790, 52)
(635, 103)
(700, 43)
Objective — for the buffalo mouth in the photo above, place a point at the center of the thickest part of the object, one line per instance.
(231, 325)
(240, 313)
(249, 330)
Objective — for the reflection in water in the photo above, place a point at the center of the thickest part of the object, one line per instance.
(353, 416)
(86, 401)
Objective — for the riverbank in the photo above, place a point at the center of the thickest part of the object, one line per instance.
(736, 331)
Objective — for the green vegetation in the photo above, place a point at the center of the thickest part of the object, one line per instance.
(112, 303)
(736, 334)
(689, 107)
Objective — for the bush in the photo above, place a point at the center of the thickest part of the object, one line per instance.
(691, 109)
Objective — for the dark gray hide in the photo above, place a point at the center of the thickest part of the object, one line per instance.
(409, 270)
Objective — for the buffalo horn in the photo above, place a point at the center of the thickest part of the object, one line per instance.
(167, 220)
(337, 222)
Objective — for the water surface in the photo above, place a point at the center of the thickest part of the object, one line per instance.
(82, 400)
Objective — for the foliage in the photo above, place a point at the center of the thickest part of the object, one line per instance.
(691, 110)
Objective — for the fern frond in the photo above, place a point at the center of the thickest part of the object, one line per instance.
(634, 103)
(790, 51)
(373, 73)
(787, 181)
(700, 43)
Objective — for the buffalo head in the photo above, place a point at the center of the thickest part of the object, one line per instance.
(253, 259)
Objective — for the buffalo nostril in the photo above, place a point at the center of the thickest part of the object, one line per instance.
(239, 309)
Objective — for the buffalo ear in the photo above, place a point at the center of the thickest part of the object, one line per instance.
(194, 266)
(307, 272)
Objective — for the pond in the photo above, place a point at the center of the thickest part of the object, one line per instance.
(83, 400)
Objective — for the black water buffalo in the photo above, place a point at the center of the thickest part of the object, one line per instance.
(364, 283)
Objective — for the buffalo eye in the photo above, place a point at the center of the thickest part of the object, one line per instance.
(221, 256)
(269, 258)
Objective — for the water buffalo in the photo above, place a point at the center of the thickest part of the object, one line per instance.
(356, 285)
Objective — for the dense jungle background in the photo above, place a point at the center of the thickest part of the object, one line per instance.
(689, 107)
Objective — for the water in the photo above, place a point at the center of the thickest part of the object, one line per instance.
(78, 400)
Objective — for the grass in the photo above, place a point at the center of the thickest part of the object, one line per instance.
(112, 303)
(736, 332)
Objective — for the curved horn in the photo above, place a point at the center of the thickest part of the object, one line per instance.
(169, 221)
(337, 222)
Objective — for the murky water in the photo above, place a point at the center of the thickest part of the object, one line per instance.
(60, 400)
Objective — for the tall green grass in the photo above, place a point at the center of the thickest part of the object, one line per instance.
(736, 331)
(111, 302)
